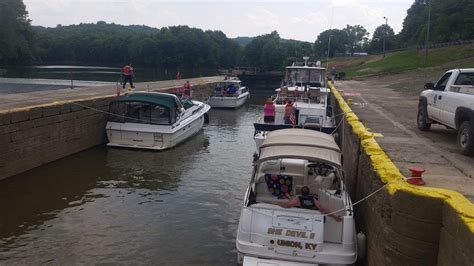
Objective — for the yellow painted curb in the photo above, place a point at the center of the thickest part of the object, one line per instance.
(388, 172)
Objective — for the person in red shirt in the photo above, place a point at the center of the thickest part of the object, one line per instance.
(289, 109)
(269, 111)
(127, 75)
(188, 90)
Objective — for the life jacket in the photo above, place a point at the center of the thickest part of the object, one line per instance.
(307, 202)
(127, 70)
(288, 109)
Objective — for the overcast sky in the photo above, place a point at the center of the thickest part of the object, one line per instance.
(300, 20)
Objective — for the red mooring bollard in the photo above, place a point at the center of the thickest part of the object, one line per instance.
(416, 173)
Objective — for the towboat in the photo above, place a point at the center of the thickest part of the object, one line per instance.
(153, 120)
(288, 161)
(229, 93)
(304, 85)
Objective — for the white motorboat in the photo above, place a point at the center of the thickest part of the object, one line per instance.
(288, 160)
(305, 86)
(152, 120)
(229, 93)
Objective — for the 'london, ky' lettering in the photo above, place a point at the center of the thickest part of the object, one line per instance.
(292, 233)
(296, 244)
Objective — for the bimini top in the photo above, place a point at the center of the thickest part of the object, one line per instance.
(300, 144)
(158, 98)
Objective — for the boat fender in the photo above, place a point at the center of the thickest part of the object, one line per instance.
(206, 118)
(240, 258)
(255, 157)
(361, 245)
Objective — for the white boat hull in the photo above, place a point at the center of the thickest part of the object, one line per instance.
(228, 102)
(154, 137)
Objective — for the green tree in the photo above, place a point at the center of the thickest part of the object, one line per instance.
(270, 52)
(16, 38)
(338, 45)
(381, 32)
(111, 44)
(357, 38)
(451, 20)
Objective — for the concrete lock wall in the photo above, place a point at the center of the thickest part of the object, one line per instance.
(33, 136)
(404, 224)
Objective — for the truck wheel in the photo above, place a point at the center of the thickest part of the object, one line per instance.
(465, 138)
(422, 118)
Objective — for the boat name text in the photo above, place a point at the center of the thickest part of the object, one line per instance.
(296, 244)
(291, 233)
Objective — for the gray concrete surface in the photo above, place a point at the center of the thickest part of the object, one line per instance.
(17, 93)
(393, 114)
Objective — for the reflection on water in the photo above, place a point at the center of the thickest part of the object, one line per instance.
(97, 73)
(108, 205)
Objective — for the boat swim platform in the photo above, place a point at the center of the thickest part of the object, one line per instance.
(21, 93)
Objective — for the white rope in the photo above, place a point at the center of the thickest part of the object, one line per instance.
(337, 127)
(109, 113)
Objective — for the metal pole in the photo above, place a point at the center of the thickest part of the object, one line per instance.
(427, 33)
(329, 45)
(72, 82)
(385, 35)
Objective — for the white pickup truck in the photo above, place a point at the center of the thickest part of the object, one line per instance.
(450, 102)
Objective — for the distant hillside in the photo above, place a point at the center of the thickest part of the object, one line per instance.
(243, 41)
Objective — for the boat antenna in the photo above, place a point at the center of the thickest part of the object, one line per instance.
(329, 46)
(305, 58)
(330, 36)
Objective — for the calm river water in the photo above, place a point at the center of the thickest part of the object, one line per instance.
(109, 205)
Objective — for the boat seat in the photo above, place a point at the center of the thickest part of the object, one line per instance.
(331, 202)
(321, 182)
(271, 188)
(264, 196)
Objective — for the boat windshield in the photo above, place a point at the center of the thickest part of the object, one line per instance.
(141, 113)
(304, 76)
(227, 88)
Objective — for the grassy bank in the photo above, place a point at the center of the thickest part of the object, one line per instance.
(398, 62)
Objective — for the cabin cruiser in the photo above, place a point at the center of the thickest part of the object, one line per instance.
(229, 93)
(288, 161)
(305, 86)
(153, 120)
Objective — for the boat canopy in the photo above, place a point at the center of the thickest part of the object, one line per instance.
(168, 100)
(300, 144)
(305, 75)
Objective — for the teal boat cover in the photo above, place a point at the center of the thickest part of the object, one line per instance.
(157, 98)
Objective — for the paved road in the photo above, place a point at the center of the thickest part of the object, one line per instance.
(393, 114)
(17, 93)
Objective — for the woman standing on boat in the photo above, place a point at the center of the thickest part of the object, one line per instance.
(289, 115)
(269, 111)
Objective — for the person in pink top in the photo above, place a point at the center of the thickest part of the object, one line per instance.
(269, 111)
